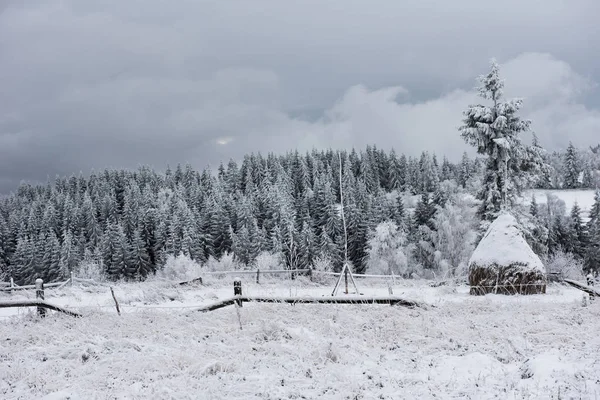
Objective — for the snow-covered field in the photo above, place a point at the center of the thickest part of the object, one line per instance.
(583, 198)
(459, 346)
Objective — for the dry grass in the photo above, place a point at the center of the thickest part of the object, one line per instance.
(513, 279)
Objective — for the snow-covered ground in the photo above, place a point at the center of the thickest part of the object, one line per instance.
(459, 346)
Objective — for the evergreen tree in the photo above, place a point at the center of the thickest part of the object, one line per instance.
(571, 168)
(140, 260)
(22, 263)
(51, 259)
(495, 131)
(592, 251)
(115, 254)
(577, 234)
(533, 208)
(465, 170)
(424, 212)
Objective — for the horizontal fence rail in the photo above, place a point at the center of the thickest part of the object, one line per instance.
(262, 271)
(39, 304)
(310, 300)
(28, 287)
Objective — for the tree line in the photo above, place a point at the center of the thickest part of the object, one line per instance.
(130, 221)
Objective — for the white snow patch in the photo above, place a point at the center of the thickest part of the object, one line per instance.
(583, 198)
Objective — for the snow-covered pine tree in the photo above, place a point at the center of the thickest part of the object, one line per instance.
(536, 170)
(399, 214)
(4, 257)
(424, 211)
(51, 258)
(494, 131)
(447, 171)
(533, 207)
(571, 168)
(140, 260)
(588, 177)
(69, 257)
(22, 263)
(592, 251)
(577, 233)
(465, 170)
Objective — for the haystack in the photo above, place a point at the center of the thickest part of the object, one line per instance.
(504, 263)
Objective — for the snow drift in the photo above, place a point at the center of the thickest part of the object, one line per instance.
(504, 263)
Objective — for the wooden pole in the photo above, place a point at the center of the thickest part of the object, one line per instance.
(39, 295)
(258, 275)
(237, 290)
(115, 299)
(346, 277)
(71, 278)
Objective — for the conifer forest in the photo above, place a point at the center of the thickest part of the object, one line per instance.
(128, 222)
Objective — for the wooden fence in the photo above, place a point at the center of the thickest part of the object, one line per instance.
(239, 298)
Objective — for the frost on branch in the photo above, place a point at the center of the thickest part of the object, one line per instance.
(504, 263)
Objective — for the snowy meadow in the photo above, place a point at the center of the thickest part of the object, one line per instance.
(455, 346)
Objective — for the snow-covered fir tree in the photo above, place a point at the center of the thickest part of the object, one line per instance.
(495, 131)
(571, 168)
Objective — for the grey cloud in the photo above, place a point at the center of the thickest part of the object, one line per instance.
(88, 84)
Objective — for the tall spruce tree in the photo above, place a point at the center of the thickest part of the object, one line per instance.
(592, 251)
(571, 168)
(494, 130)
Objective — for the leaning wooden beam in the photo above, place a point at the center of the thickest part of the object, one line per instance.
(37, 303)
(588, 289)
(218, 304)
(190, 282)
(389, 300)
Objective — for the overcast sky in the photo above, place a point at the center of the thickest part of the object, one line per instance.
(115, 83)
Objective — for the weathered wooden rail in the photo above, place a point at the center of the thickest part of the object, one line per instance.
(239, 298)
(391, 300)
(39, 304)
(585, 288)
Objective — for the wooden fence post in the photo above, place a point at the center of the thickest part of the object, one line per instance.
(12, 282)
(115, 299)
(237, 290)
(71, 278)
(39, 294)
(346, 277)
(258, 275)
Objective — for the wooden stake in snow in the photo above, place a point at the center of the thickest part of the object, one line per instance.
(237, 290)
(115, 299)
(39, 295)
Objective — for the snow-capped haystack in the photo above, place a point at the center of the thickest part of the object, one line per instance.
(504, 263)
